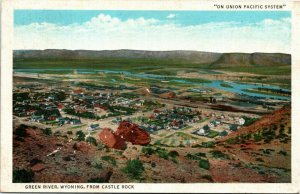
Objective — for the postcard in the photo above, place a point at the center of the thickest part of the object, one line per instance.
(149, 96)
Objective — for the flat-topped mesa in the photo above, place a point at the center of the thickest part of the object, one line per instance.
(132, 133)
(112, 140)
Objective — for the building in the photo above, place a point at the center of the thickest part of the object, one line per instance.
(75, 121)
(93, 127)
(36, 118)
(241, 121)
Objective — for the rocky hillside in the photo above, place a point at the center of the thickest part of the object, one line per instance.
(276, 125)
(264, 147)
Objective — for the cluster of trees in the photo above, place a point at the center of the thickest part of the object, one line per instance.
(134, 168)
(80, 136)
(87, 114)
(47, 113)
(23, 176)
(248, 120)
(153, 104)
(20, 96)
(276, 91)
(129, 95)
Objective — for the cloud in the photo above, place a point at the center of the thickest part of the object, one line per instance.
(105, 32)
(171, 16)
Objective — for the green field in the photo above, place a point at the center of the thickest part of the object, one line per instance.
(153, 66)
(275, 70)
(226, 85)
(166, 68)
(263, 92)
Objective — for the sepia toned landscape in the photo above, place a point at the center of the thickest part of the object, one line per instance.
(119, 116)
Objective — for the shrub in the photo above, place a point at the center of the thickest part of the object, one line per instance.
(109, 159)
(196, 146)
(266, 151)
(204, 164)
(47, 131)
(98, 165)
(91, 140)
(212, 134)
(281, 128)
(57, 133)
(162, 153)
(181, 145)
(119, 153)
(268, 135)
(233, 127)
(96, 180)
(157, 143)
(284, 153)
(21, 130)
(174, 159)
(101, 146)
(173, 153)
(282, 136)
(219, 154)
(232, 141)
(209, 144)
(257, 137)
(73, 170)
(23, 176)
(192, 157)
(207, 177)
(197, 156)
(200, 154)
(249, 121)
(206, 127)
(223, 133)
(246, 136)
(148, 151)
(134, 168)
(80, 136)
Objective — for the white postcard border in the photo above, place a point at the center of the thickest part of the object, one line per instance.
(6, 93)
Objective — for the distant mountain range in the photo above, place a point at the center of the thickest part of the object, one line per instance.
(192, 57)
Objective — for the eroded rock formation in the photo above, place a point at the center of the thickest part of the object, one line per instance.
(112, 140)
(132, 133)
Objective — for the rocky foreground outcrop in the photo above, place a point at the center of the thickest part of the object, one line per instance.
(112, 140)
(132, 133)
(126, 131)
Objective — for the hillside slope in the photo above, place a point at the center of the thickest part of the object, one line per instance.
(263, 147)
(278, 122)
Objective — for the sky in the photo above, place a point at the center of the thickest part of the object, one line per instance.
(213, 31)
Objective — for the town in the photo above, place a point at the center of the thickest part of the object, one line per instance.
(66, 110)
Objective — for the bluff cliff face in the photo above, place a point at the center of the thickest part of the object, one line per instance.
(206, 59)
